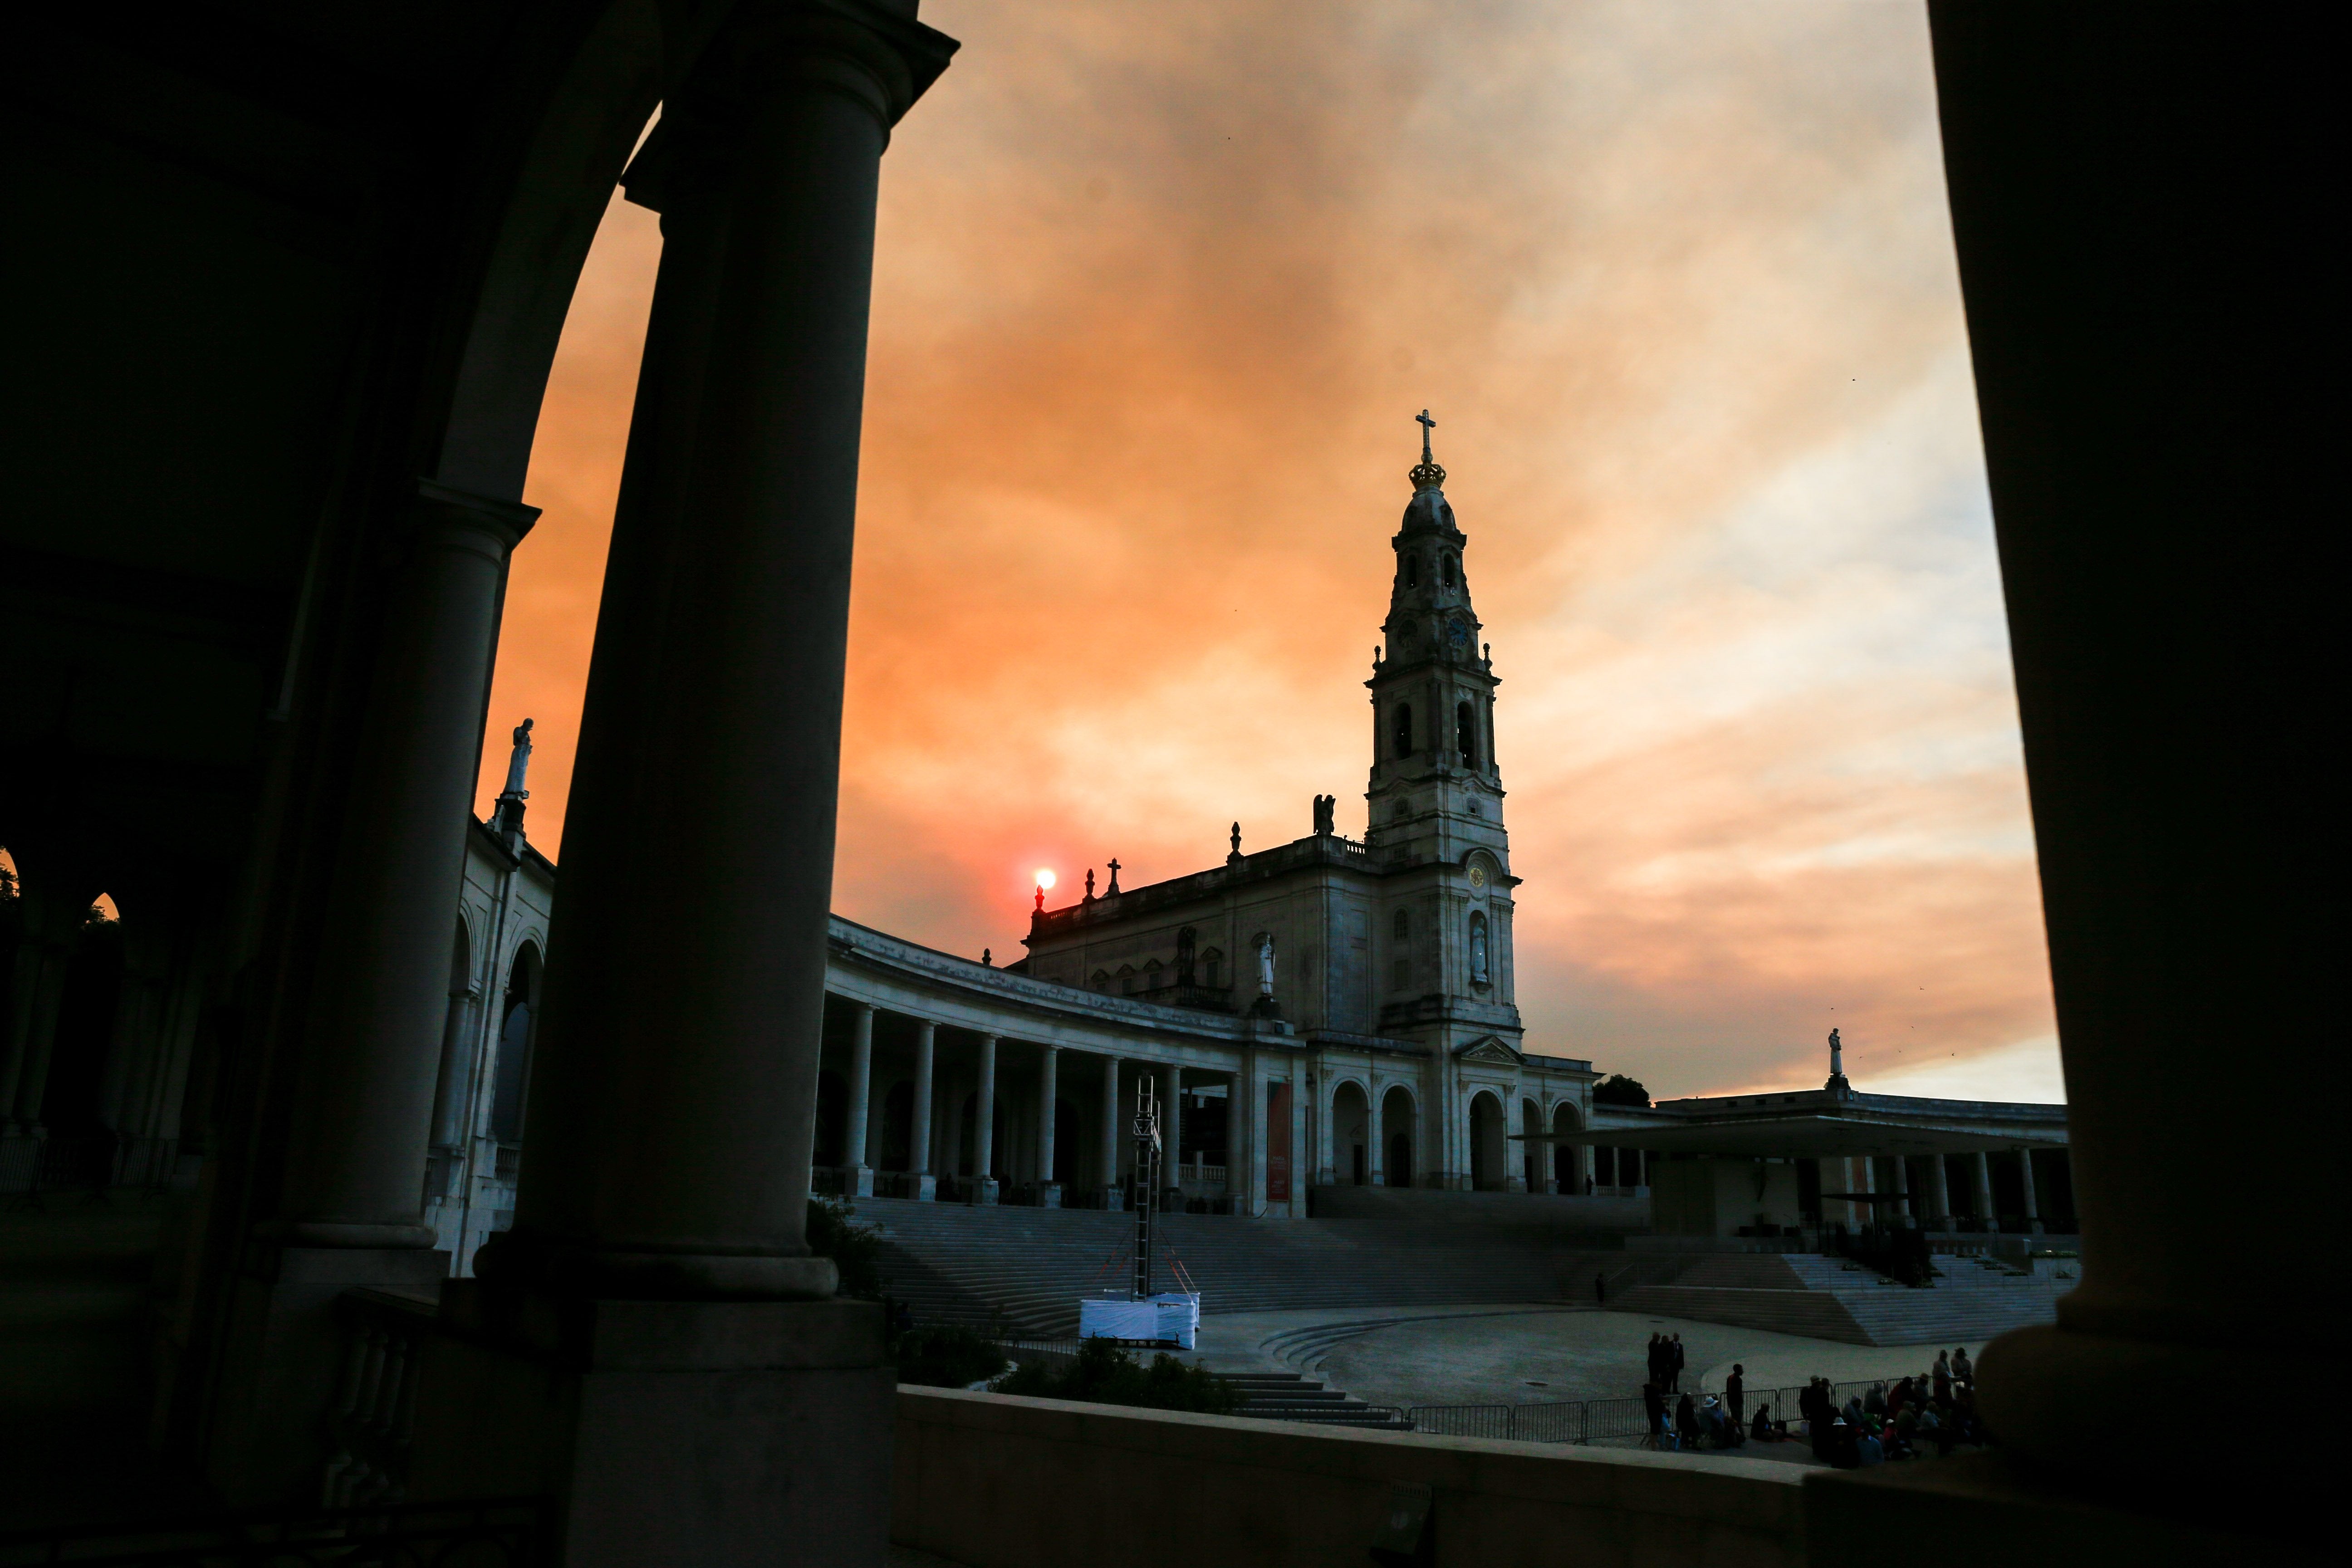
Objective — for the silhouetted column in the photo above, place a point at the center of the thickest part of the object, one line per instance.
(1112, 1197)
(1171, 1133)
(857, 1180)
(1376, 1152)
(1985, 1213)
(1049, 1191)
(379, 996)
(1327, 1173)
(37, 994)
(984, 1125)
(925, 1185)
(2025, 1176)
(674, 1093)
(1940, 1193)
(1902, 1204)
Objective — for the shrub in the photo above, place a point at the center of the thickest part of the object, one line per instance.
(1106, 1374)
(945, 1357)
(855, 1249)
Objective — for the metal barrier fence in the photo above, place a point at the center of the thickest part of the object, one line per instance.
(1598, 1420)
(501, 1533)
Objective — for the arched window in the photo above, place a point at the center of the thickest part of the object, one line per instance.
(1400, 730)
(1213, 967)
(1466, 727)
(1403, 924)
(512, 1073)
(1445, 568)
(1478, 964)
(1412, 573)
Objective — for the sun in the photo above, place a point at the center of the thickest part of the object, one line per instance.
(1045, 878)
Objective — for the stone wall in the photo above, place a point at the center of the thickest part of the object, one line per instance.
(994, 1481)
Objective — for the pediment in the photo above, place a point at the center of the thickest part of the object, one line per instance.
(1490, 1050)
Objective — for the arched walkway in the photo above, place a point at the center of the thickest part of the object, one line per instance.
(1566, 1157)
(1351, 1153)
(1489, 1141)
(1398, 1118)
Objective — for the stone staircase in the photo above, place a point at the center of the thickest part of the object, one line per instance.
(1287, 1397)
(1827, 1298)
(1024, 1269)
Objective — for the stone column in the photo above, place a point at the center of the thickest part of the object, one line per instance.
(2032, 1204)
(713, 1399)
(1327, 1173)
(379, 997)
(1172, 1135)
(1049, 1191)
(1940, 1193)
(1584, 1169)
(983, 1126)
(1113, 1198)
(39, 991)
(858, 1176)
(1246, 1169)
(1902, 1204)
(352, 1194)
(1375, 1140)
(922, 1183)
(1985, 1214)
(1869, 1185)
(1299, 1098)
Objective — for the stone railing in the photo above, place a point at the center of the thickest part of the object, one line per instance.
(989, 1479)
(375, 1397)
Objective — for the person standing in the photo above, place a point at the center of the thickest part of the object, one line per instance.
(1654, 1404)
(1674, 1364)
(1962, 1370)
(1735, 1393)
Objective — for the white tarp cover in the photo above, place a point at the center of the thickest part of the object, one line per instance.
(1173, 1316)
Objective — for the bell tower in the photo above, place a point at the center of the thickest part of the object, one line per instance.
(1435, 794)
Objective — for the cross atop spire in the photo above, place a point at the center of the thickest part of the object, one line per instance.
(1426, 475)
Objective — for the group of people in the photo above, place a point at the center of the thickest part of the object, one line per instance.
(1935, 1408)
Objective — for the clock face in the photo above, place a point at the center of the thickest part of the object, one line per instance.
(1459, 634)
(1477, 876)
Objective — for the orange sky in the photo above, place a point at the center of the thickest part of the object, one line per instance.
(1157, 292)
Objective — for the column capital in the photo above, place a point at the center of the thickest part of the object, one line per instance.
(877, 55)
(504, 521)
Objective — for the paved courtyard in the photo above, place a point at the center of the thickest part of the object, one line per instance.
(1523, 1354)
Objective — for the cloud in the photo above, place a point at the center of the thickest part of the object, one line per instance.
(1157, 294)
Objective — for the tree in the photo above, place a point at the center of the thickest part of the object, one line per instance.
(1619, 1090)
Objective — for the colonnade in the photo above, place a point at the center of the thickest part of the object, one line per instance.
(933, 1143)
(1933, 1206)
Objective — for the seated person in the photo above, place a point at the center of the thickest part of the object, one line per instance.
(1761, 1429)
(1867, 1450)
(1686, 1422)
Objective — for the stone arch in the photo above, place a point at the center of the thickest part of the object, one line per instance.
(1399, 1130)
(1567, 1158)
(1350, 1113)
(517, 1012)
(1489, 1140)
